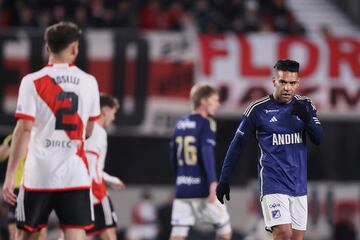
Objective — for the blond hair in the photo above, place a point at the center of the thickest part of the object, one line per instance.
(200, 91)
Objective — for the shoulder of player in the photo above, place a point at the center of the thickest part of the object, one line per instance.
(255, 104)
(34, 75)
(98, 135)
(211, 122)
(85, 74)
(306, 100)
(99, 130)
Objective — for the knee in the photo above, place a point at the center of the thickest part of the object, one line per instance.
(224, 232)
(282, 234)
(226, 236)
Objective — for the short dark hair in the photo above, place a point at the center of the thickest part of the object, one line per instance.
(108, 101)
(287, 65)
(199, 91)
(60, 35)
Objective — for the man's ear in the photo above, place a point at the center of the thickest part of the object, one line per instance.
(202, 101)
(273, 80)
(75, 48)
(47, 48)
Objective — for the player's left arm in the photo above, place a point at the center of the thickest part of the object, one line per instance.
(208, 143)
(306, 111)
(95, 110)
(113, 181)
(172, 156)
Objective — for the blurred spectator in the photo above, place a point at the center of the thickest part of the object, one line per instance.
(124, 16)
(144, 219)
(81, 17)
(26, 18)
(150, 15)
(344, 227)
(209, 16)
(280, 18)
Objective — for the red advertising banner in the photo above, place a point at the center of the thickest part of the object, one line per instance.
(151, 73)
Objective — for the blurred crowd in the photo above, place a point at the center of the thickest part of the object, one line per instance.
(208, 16)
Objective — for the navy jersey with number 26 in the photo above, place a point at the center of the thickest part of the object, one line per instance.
(192, 155)
(281, 137)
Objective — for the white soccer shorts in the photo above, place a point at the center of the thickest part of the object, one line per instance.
(284, 209)
(186, 212)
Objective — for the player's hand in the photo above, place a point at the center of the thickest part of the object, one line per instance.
(299, 110)
(221, 190)
(8, 191)
(119, 185)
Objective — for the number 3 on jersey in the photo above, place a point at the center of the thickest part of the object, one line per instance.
(186, 146)
(69, 105)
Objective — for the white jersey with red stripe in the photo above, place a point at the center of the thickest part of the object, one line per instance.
(96, 149)
(60, 99)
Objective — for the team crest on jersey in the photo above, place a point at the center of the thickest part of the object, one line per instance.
(275, 214)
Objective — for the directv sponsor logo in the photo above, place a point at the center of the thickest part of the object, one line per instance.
(187, 180)
(291, 138)
(57, 143)
(184, 124)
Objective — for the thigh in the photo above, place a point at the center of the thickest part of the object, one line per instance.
(182, 213)
(214, 213)
(74, 209)
(299, 212)
(276, 210)
(33, 210)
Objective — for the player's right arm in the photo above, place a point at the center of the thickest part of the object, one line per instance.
(245, 130)
(25, 113)
(20, 142)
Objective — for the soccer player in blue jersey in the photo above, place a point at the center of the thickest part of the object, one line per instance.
(192, 155)
(281, 123)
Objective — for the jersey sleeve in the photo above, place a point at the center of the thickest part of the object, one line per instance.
(95, 110)
(208, 143)
(244, 132)
(313, 127)
(26, 103)
(172, 155)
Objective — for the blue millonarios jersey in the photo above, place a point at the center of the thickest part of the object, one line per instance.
(192, 156)
(281, 136)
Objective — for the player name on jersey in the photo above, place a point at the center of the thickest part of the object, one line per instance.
(67, 79)
(289, 138)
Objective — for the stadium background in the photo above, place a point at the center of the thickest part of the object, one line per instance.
(149, 54)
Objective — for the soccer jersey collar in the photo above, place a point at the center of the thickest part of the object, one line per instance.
(60, 65)
(279, 103)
